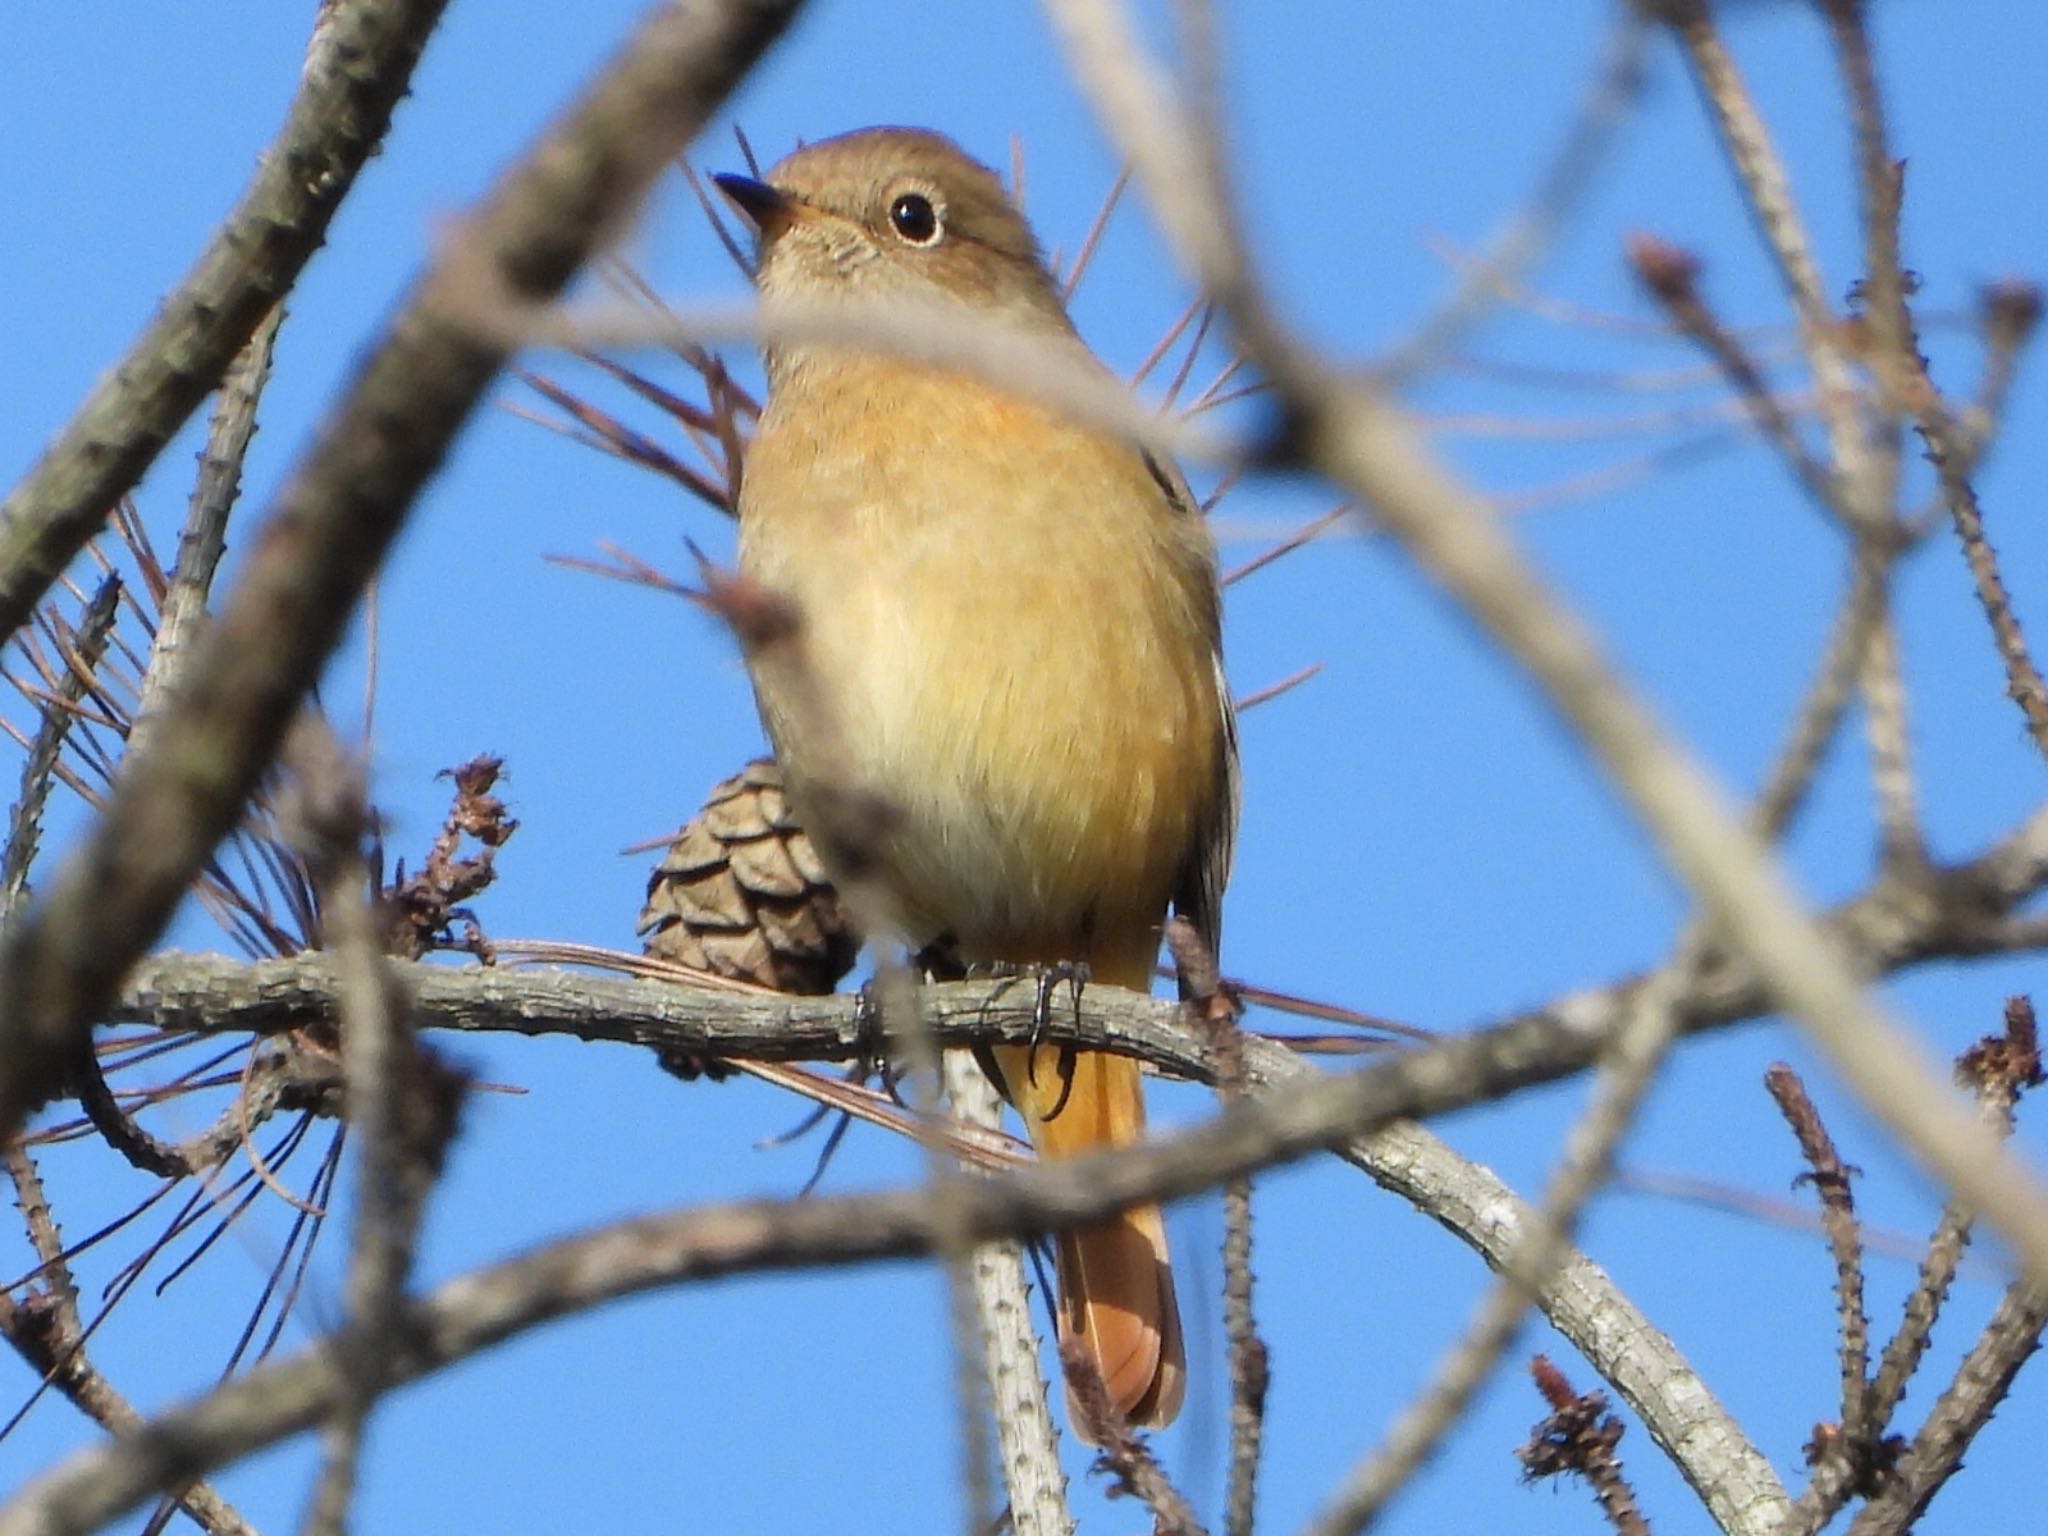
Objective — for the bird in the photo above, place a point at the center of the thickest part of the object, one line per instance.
(1013, 618)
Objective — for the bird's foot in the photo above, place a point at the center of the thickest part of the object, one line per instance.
(1047, 978)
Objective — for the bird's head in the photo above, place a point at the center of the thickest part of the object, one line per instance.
(893, 212)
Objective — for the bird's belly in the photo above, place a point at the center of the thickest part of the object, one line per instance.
(1040, 762)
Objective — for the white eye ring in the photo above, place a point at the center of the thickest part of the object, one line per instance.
(915, 220)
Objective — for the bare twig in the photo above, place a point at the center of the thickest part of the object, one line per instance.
(1899, 1486)
(1250, 1363)
(1124, 1455)
(1883, 685)
(117, 1128)
(357, 71)
(46, 1330)
(1579, 1439)
(1626, 1072)
(1347, 431)
(848, 819)
(1827, 696)
(1671, 276)
(402, 1107)
(1767, 189)
(82, 660)
(39, 766)
(2023, 681)
(2009, 312)
(1613, 92)
(1982, 1383)
(1998, 1068)
(1887, 324)
(337, 516)
(204, 539)
(1024, 1427)
(1841, 1453)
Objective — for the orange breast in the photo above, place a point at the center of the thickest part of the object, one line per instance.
(1015, 633)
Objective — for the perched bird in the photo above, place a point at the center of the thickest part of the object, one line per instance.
(1013, 621)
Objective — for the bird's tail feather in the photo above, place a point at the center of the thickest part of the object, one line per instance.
(1115, 1281)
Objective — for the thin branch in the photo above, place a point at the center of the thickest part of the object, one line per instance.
(1902, 370)
(1887, 323)
(1982, 1383)
(1017, 1389)
(339, 513)
(357, 71)
(1840, 1452)
(1613, 92)
(40, 764)
(1346, 430)
(1626, 1072)
(402, 1107)
(1767, 189)
(1827, 696)
(1579, 1437)
(49, 1334)
(1883, 685)
(1125, 1456)
(204, 538)
(2000, 1067)
(773, 637)
(119, 1130)
(1216, 1011)
(2023, 681)
(1671, 276)
(2009, 312)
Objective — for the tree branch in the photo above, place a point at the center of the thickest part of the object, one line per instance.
(358, 69)
(339, 513)
(1951, 911)
(1945, 912)
(489, 1306)
(1959, 910)
(1347, 431)
(1940, 913)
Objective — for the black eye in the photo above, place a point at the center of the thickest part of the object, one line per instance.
(914, 218)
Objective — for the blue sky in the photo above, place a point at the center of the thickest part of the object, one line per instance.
(1419, 839)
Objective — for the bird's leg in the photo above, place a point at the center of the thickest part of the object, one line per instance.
(1046, 977)
(1074, 973)
(872, 1026)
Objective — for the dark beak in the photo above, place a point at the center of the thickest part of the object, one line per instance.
(769, 210)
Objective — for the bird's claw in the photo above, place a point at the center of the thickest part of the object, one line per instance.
(1046, 979)
(1073, 972)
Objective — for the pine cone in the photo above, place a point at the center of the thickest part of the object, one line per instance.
(743, 893)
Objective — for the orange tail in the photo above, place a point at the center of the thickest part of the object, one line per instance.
(1116, 1285)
